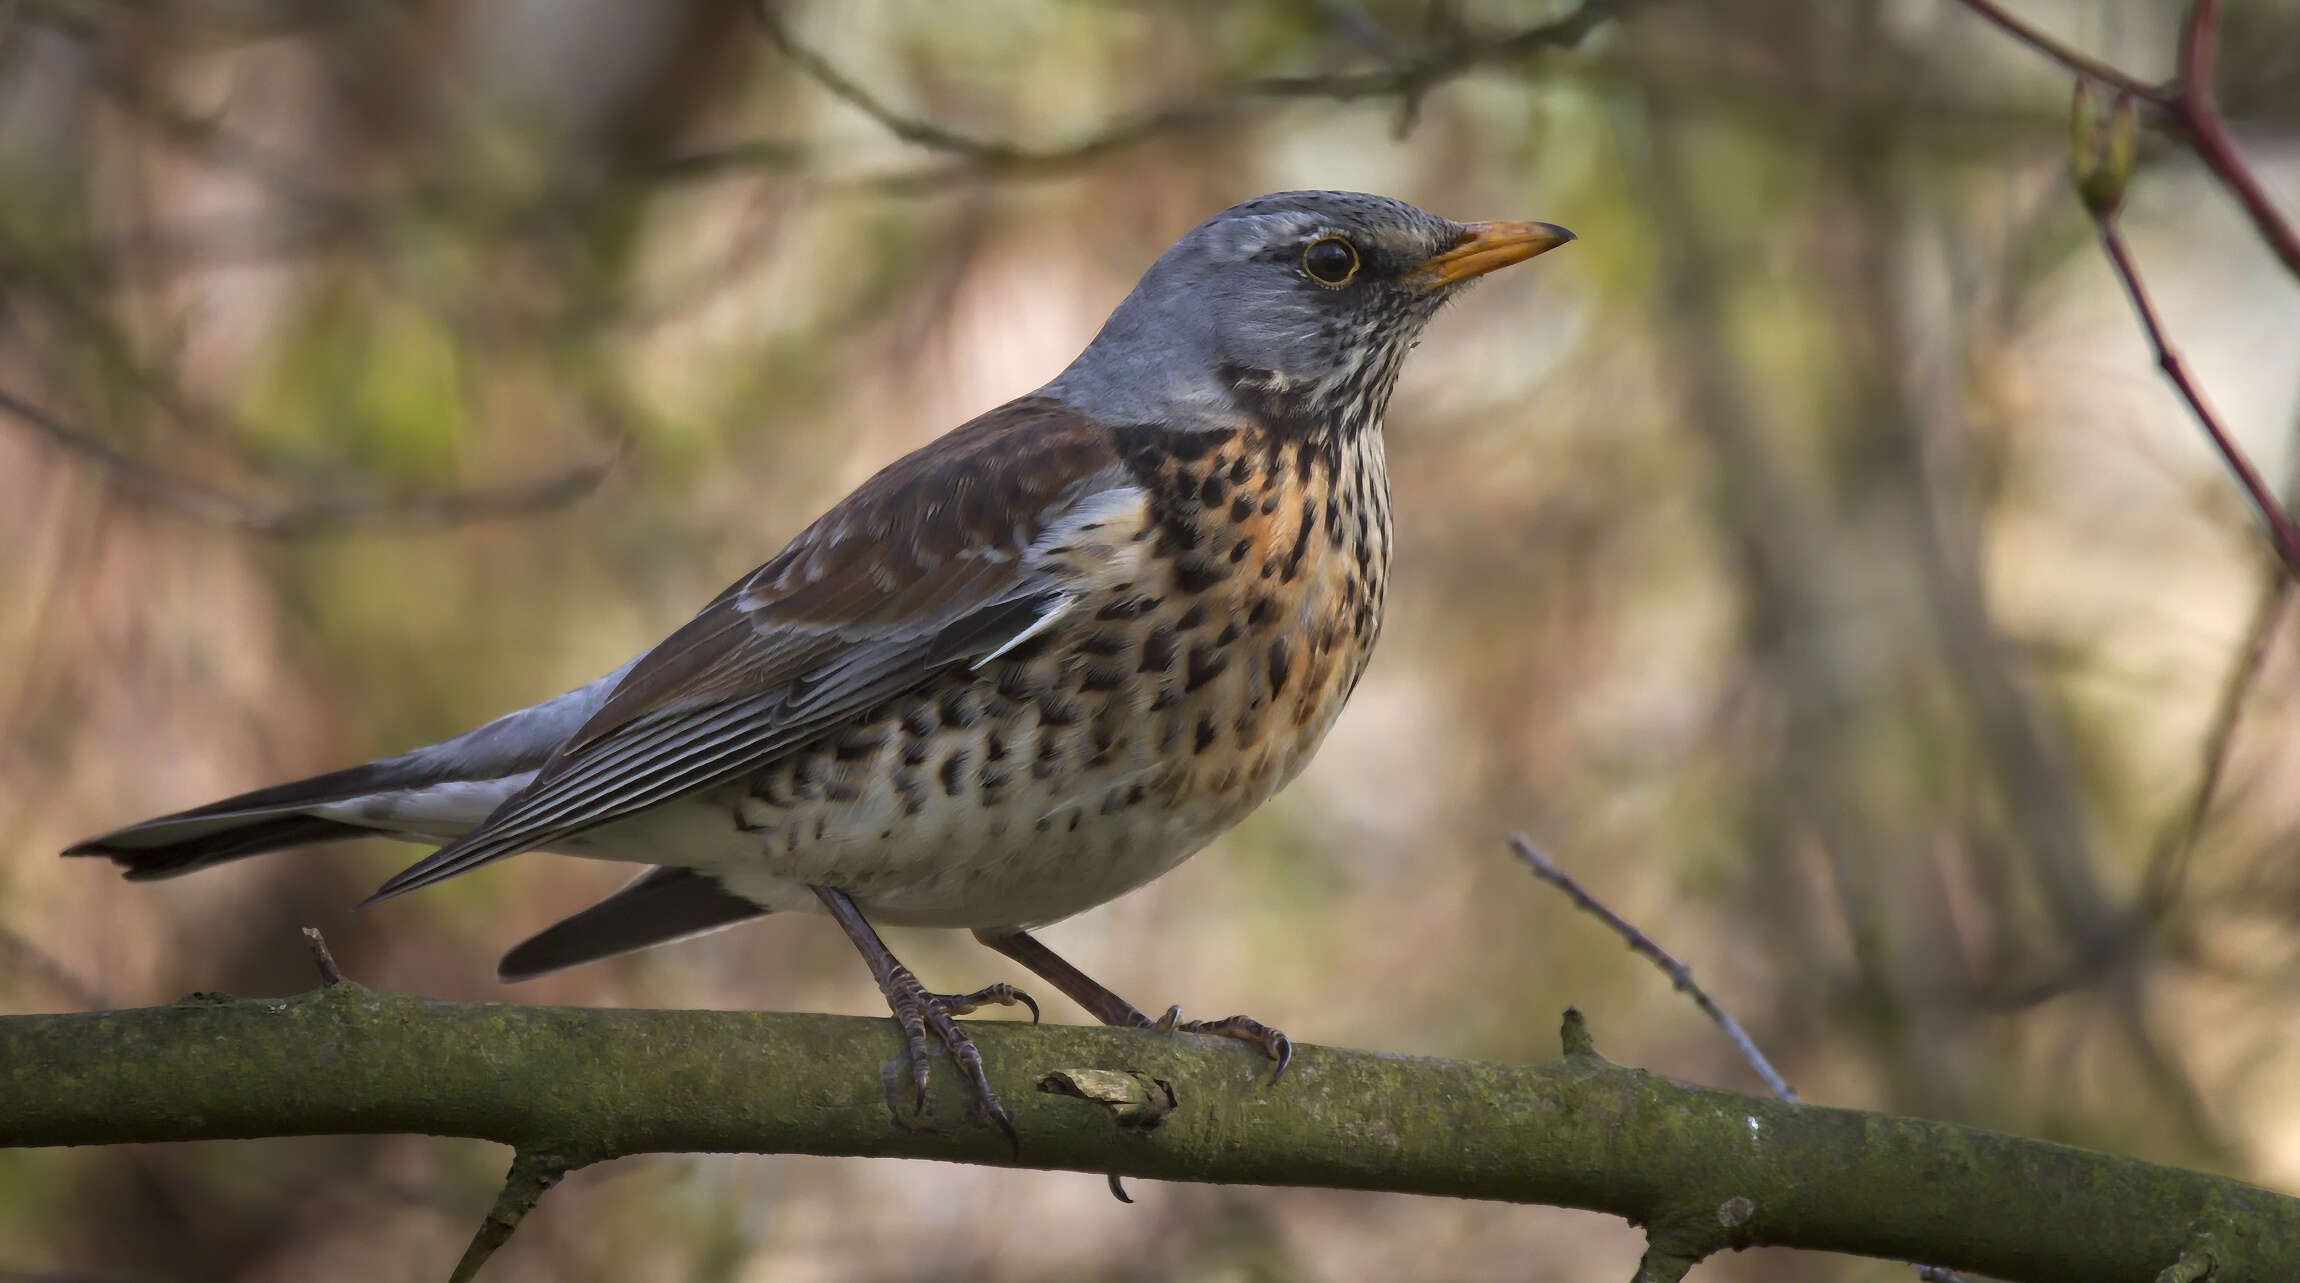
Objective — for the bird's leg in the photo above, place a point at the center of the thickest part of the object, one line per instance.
(920, 1012)
(1111, 1009)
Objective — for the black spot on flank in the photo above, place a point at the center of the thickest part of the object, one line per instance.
(953, 772)
(959, 708)
(913, 791)
(918, 719)
(807, 774)
(1101, 677)
(1174, 538)
(1214, 491)
(1241, 468)
(1269, 502)
(1135, 795)
(1191, 618)
(1333, 520)
(1056, 709)
(1103, 643)
(1206, 735)
(1302, 458)
(1206, 664)
(1242, 507)
(1281, 663)
(994, 747)
(1158, 650)
(1017, 684)
(1228, 634)
(1259, 613)
(1073, 821)
(992, 779)
(1302, 543)
(915, 751)
(1167, 697)
(1196, 575)
(1239, 550)
(859, 745)
(1125, 608)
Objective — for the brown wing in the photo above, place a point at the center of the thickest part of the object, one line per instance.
(947, 556)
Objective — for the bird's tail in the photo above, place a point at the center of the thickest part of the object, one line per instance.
(268, 819)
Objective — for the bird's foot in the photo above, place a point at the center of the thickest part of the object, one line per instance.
(1273, 1042)
(921, 1013)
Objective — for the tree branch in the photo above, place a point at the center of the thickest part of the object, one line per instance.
(1717, 1169)
(1681, 977)
(1406, 75)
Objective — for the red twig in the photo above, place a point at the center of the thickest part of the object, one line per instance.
(2090, 68)
(2187, 101)
(2198, 112)
(2283, 534)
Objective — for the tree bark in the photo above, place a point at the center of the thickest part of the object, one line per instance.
(1701, 1169)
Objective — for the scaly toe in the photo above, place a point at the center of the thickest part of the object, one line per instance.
(1004, 995)
(1274, 1043)
(921, 1013)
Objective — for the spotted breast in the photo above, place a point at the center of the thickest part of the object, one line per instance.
(1241, 577)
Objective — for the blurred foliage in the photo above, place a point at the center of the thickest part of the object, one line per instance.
(1808, 558)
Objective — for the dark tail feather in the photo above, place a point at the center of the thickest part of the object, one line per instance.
(255, 837)
(268, 819)
(657, 907)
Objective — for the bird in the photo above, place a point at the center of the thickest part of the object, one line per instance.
(1022, 670)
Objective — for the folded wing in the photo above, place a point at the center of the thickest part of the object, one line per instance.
(946, 558)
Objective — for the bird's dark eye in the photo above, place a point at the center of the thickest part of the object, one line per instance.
(1330, 260)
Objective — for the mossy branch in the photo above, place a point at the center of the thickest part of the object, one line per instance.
(1713, 1169)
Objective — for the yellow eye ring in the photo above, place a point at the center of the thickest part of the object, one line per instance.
(1330, 260)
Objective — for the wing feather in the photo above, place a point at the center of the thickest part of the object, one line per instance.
(949, 556)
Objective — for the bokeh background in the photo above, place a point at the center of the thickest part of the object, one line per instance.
(1809, 558)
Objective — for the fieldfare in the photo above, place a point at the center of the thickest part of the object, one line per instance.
(1028, 667)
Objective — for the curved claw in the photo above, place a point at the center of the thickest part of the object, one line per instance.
(1004, 995)
(1273, 1042)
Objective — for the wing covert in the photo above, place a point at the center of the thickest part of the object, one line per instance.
(948, 556)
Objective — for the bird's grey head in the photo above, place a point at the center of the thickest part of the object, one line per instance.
(1293, 309)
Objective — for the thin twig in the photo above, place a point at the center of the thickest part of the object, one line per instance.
(531, 1177)
(2079, 63)
(329, 973)
(1679, 974)
(2169, 867)
(2283, 534)
(418, 511)
(1658, 1264)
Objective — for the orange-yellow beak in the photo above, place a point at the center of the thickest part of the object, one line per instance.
(1485, 247)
